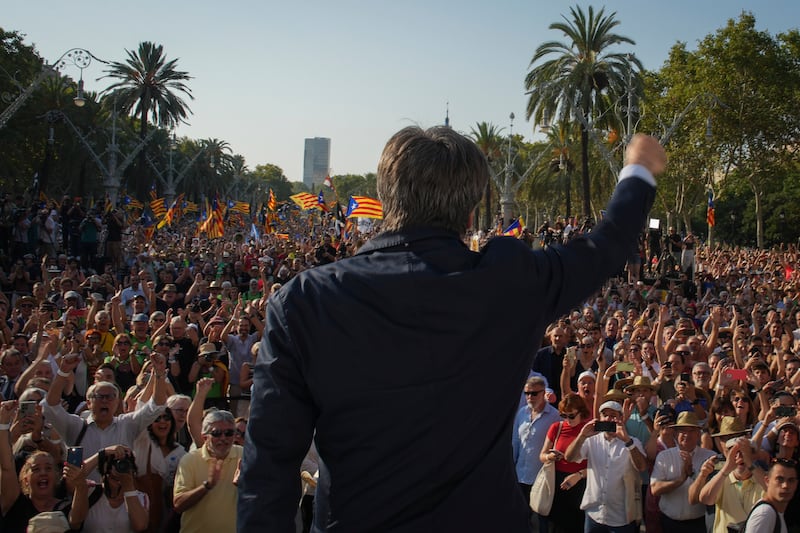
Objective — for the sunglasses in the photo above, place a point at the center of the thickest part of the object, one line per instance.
(740, 399)
(163, 418)
(533, 393)
(570, 416)
(790, 463)
(162, 343)
(124, 342)
(217, 433)
(587, 346)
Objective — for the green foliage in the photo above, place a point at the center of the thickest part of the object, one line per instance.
(271, 176)
(732, 106)
(581, 75)
(348, 185)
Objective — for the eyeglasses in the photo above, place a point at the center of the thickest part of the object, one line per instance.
(124, 342)
(98, 396)
(790, 463)
(587, 346)
(164, 343)
(570, 416)
(683, 352)
(533, 393)
(217, 433)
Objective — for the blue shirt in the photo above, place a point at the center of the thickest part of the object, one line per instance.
(528, 438)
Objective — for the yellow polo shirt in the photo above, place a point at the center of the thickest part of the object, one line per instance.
(217, 510)
(735, 501)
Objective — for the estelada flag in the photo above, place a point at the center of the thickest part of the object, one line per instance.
(364, 207)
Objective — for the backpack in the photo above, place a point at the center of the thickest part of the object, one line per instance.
(739, 527)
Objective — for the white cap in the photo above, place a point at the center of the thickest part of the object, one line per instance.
(587, 374)
(611, 405)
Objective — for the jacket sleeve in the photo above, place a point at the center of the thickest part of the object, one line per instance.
(574, 271)
(279, 431)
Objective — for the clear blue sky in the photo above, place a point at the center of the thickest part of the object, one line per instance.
(268, 74)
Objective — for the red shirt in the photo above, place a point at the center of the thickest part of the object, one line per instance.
(568, 434)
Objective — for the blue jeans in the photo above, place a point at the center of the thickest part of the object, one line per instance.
(591, 526)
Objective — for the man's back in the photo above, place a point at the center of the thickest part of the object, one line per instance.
(407, 361)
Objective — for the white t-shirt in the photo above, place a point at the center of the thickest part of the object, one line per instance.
(102, 518)
(762, 520)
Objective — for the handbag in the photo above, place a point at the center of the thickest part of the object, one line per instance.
(151, 483)
(544, 486)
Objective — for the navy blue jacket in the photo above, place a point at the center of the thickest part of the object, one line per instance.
(408, 361)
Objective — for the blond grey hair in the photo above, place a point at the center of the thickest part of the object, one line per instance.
(432, 177)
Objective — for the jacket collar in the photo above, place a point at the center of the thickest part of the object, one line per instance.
(391, 239)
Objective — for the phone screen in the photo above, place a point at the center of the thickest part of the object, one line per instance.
(27, 409)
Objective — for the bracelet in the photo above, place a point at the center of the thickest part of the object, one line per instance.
(629, 444)
(5, 427)
(645, 416)
(207, 485)
(131, 494)
(62, 373)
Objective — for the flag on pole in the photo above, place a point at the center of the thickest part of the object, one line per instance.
(328, 182)
(710, 211)
(362, 206)
(305, 200)
(515, 228)
(321, 201)
(272, 204)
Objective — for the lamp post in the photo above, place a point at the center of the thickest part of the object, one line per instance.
(507, 185)
(170, 180)
(111, 171)
(78, 57)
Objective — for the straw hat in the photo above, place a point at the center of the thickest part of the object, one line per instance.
(731, 425)
(687, 419)
(640, 381)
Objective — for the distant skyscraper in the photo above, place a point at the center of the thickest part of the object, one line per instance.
(316, 160)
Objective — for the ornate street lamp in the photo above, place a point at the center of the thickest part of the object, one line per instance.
(78, 57)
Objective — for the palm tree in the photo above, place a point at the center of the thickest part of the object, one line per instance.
(488, 140)
(581, 77)
(149, 87)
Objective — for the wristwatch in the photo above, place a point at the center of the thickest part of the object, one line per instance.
(207, 485)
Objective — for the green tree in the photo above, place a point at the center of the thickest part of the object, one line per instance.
(150, 88)
(580, 76)
(487, 137)
(272, 177)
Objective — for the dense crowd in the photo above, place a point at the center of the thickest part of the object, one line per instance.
(127, 360)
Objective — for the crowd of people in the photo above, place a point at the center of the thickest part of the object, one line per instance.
(697, 370)
(669, 398)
